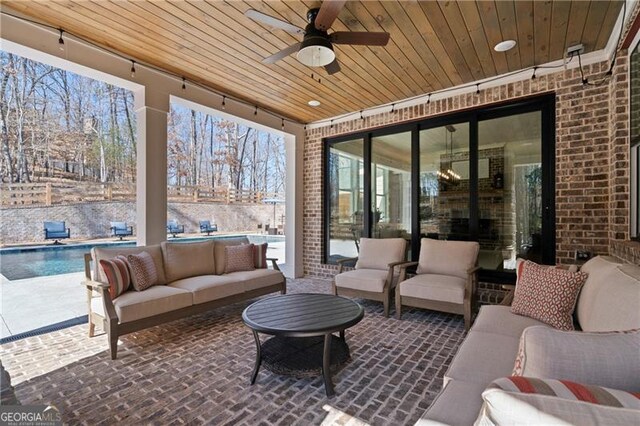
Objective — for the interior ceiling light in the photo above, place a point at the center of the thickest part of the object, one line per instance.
(314, 103)
(503, 46)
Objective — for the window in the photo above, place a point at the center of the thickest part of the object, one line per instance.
(486, 175)
(634, 82)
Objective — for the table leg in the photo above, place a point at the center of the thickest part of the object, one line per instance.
(326, 365)
(342, 335)
(256, 368)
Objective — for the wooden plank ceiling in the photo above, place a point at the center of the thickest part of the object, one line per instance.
(434, 45)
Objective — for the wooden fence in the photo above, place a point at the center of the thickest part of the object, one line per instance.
(48, 194)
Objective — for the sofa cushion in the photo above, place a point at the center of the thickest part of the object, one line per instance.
(143, 271)
(98, 253)
(206, 288)
(442, 288)
(547, 294)
(184, 260)
(134, 305)
(609, 284)
(447, 257)
(117, 272)
(499, 320)
(457, 404)
(362, 279)
(533, 401)
(483, 357)
(220, 253)
(603, 359)
(378, 253)
(258, 278)
(239, 258)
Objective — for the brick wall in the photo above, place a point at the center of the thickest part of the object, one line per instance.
(592, 164)
(91, 220)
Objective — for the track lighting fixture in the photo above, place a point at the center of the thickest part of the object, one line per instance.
(533, 76)
(256, 111)
(61, 40)
(224, 102)
(184, 84)
(133, 69)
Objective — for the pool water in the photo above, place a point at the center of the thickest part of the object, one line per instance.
(21, 263)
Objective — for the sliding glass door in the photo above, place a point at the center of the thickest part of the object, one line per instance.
(486, 175)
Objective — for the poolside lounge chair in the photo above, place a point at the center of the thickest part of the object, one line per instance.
(206, 226)
(173, 228)
(120, 229)
(56, 231)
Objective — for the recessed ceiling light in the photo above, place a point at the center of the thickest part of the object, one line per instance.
(314, 103)
(503, 46)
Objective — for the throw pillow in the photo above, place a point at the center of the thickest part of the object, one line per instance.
(547, 294)
(239, 258)
(117, 272)
(260, 255)
(143, 271)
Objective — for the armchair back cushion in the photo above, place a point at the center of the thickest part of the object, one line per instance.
(609, 284)
(453, 258)
(119, 226)
(54, 226)
(220, 252)
(378, 253)
(188, 260)
(99, 253)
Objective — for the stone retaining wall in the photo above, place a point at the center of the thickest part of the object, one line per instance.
(91, 220)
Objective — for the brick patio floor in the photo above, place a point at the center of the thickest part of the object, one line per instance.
(196, 371)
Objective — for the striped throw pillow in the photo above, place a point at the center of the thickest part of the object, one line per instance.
(143, 271)
(260, 255)
(568, 390)
(239, 258)
(117, 272)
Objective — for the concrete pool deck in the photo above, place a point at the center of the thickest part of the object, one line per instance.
(32, 303)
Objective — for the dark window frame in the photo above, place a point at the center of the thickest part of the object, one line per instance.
(545, 103)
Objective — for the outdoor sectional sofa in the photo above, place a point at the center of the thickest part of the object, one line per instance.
(191, 280)
(608, 302)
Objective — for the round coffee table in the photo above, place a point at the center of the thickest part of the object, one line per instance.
(296, 321)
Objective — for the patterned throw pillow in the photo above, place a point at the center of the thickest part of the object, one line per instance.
(547, 294)
(143, 271)
(260, 256)
(117, 272)
(567, 390)
(239, 258)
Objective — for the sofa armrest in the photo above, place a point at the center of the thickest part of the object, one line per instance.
(508, 299)
(341, 262)
(274, 262)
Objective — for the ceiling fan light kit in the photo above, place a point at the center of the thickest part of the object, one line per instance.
(316, 52)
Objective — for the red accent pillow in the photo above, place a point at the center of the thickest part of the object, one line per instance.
(117, 272)
(547, 294)
(239, 258)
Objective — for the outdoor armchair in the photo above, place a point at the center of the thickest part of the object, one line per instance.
(120, 229)
(374, 275)
(206, 226)
(445, 279)
(56, 231)
(173, 228)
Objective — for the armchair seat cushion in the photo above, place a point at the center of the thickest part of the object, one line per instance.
(206, 288)
(363, 280)
(159, 299)
(442, 288)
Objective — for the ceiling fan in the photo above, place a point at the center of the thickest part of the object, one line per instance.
(316, 48)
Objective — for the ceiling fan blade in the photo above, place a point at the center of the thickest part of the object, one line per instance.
(273, 22)
(328, 13)
(282, 54)
(333, 67)
(362, 38)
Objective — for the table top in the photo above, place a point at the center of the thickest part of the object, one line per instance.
(301, 315)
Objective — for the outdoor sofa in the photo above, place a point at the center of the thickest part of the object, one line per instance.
(605, 353)
(191, 279)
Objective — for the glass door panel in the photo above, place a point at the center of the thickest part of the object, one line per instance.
(391, 186)
(444, 182)
(510, 190)
(346, 198)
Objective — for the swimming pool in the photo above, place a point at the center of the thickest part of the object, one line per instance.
(29, 262)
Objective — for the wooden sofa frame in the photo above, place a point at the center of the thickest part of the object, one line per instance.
(114, 328)
(466, 308)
